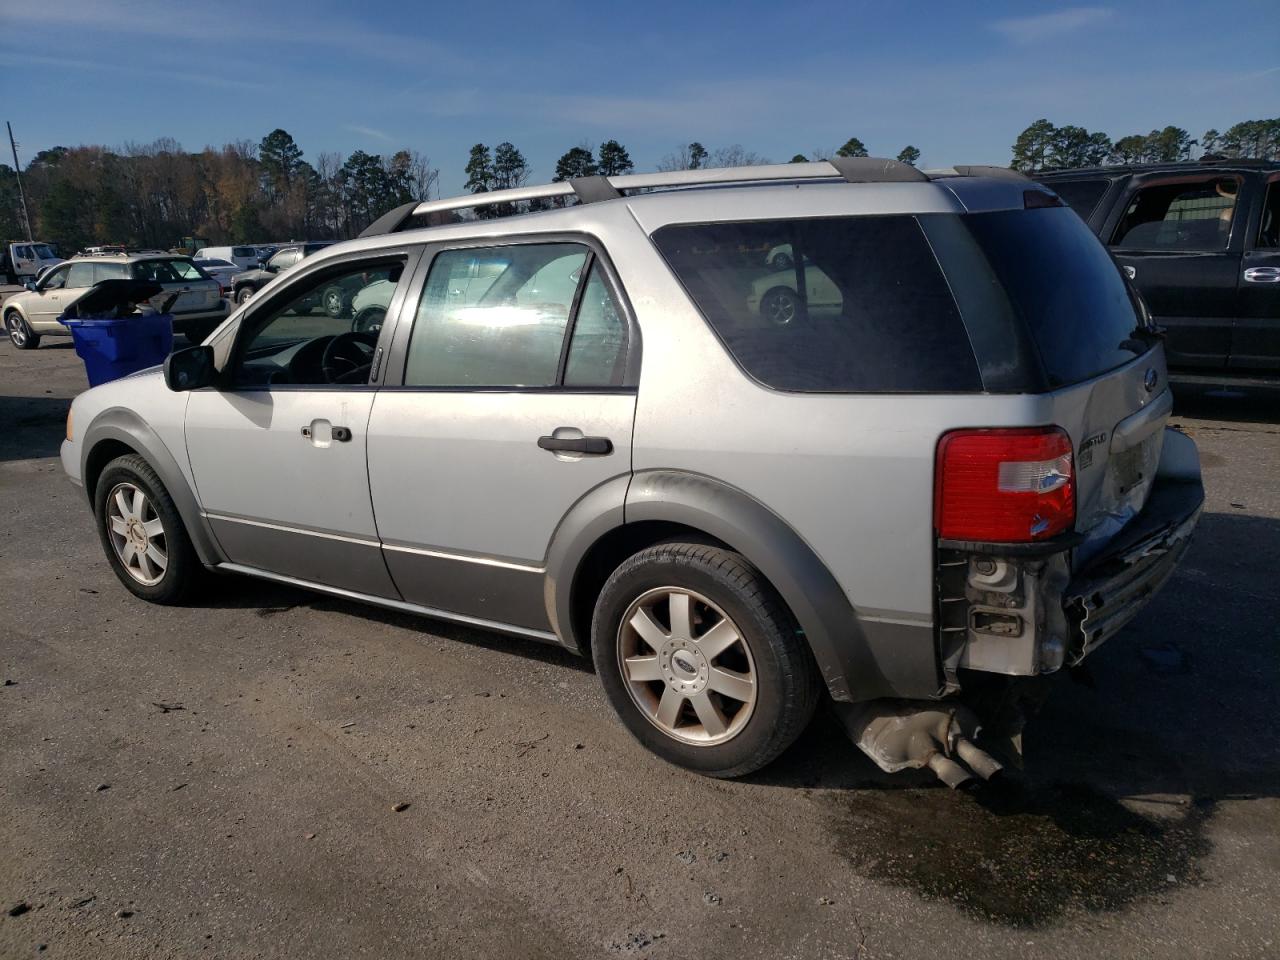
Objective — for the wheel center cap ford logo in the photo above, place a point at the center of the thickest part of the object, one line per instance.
(1151, 379)
(684, 663)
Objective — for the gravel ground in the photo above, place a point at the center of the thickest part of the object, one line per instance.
(224, 779)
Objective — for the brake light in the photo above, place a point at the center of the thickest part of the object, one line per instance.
(1004, 485)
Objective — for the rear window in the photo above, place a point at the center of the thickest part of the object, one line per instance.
(1082, 196)
(1065, 288)
(166, 271)
(827, 305)
(249, 252)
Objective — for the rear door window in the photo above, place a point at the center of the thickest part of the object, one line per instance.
(110, 271)
(1180, 216)
(827, 305)
(495, 316)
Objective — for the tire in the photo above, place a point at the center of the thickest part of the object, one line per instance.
(762, 643)
(368, 320)
(244, 294)
(335, 302)
(181, 570)
(197, 333)
(20, 334)
(780, 307)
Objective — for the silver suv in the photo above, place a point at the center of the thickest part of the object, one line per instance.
(197, 311)
(941, 472)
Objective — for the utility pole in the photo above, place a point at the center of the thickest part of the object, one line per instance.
(17, 172)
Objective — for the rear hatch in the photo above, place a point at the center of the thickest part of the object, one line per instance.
(1100, 359)
(196, 292)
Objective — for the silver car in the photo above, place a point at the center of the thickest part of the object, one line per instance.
(33, 314)
(950, 478)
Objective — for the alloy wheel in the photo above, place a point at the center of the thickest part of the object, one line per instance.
(17, 332)
(780, 308)
(137, 534)
(687, 666)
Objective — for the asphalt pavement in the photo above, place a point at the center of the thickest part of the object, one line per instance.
(229, 779)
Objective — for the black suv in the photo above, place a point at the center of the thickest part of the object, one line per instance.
(1201, 241)
(246, 284)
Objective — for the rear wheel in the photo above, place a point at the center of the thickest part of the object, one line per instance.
(142, 533)
(701, 660)
(243, 294)
(20, 335)
(780, 306)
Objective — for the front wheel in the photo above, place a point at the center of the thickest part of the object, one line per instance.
(142, 533)
(20, 335)
(244, 294)
(368, 320)
(701, 660)
(335, 302)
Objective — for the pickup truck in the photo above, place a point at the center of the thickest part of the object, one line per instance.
(25, 260)
(1201, 242)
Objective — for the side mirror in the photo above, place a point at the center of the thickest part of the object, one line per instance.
(270, 268)
(190, 369)
(30, 285)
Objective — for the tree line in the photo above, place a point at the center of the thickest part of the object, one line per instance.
(1045, 146)
(155, 194)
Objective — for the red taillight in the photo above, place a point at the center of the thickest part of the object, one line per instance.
(1004, 485)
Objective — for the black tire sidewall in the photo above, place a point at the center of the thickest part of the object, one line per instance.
(756, 744)
(183, 567)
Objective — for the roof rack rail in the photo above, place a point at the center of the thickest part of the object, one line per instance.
(597, 188)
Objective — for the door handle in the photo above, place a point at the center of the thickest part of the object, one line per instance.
(596, 446)
(340, 434)
(1263, 274)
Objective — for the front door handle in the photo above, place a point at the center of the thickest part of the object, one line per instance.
(321, 433)
(596, 446)
(1263, 274)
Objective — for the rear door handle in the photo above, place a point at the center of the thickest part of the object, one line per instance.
(1263, 274)
(597, 446)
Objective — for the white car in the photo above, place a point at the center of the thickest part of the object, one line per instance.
(220, 270)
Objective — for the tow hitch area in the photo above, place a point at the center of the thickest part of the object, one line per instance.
(901, 734)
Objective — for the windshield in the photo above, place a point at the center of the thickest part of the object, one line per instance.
(167, 271)
(43, 251)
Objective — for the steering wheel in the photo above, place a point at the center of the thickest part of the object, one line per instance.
(348, 357)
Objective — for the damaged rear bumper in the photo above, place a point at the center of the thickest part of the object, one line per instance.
(1025, 609)
(1103, 597)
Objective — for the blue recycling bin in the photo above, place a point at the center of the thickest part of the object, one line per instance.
(111, 336)
(112, 348)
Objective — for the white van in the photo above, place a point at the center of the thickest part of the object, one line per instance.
(245, 257)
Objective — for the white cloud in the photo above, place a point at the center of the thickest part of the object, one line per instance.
(369, 132)
(1045, 26)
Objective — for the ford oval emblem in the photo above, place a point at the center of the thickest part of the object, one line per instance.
(1151, 379)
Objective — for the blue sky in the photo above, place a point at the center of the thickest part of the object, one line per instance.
(957, 80)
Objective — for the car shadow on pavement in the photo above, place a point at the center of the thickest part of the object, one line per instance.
(32, 427)
(269, 599)
(1125, 766)
(1227, 401)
